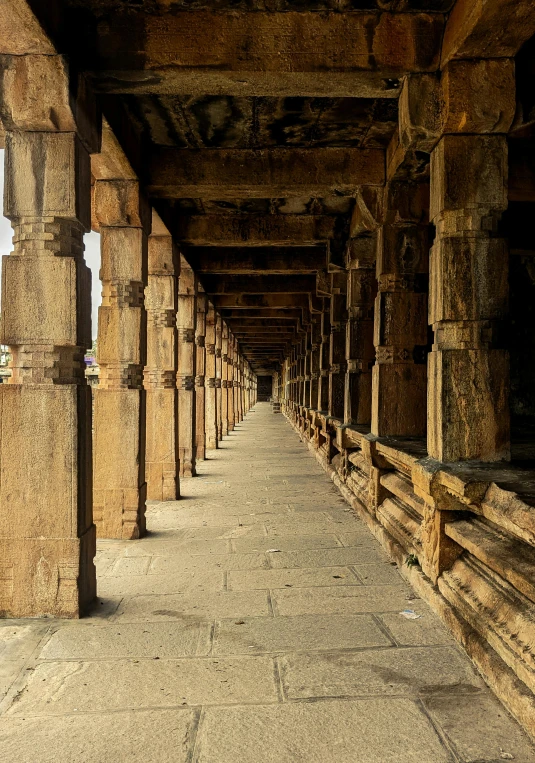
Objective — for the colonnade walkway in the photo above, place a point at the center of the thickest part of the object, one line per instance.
(259, 620)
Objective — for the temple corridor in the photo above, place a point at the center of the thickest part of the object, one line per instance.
(258, 620)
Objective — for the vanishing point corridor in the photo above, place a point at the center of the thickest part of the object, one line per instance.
(258, 620)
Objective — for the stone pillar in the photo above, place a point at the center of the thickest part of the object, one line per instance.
(315, 360)
(186, 324)
(120, 490)
(360, 350)
(211, 395)
(323, 381)
(337, 351)
(400, 333)
(224, 380)
(230, 382)
(47, 535)
(239, 409)
(219, 375)
(162, 462)
(468, 367)
(307, 346)
(200, 364)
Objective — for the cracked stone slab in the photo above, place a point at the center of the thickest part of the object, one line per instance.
(100, 737)
(246, 580)
(128, 641)
(412, 671)
(363, 731)
(341, 600)
(308, 632)
(54, 688)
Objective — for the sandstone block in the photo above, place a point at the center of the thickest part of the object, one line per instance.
(47, 175)
(467, 401)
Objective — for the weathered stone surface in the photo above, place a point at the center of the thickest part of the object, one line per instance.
(168, 734)
(128, 641)
(283, 634)
(107, 686)
(340, 600)
(355, 730)
(411, 671)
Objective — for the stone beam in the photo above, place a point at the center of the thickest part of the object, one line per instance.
(269, 173)
(251, 230)
(261, 301)
(260, 315)
(356, 54)
(252, 284)
(258, 260)
(487, 29)
(259, 324)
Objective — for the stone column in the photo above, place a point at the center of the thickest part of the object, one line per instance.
(200, 364)
(337, 351)
(186, 324)
(120, 489)
(211, 395)
(224, 380)
(219, 375)
(238, 388)
(47, 535)
(360, 350)
(400, 334)
(468, 367)
(323, 381)
(315, 361)
(162, 462)
(230, 382)
(307, 364)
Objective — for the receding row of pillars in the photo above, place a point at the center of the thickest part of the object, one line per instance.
(409, 340)
(172, 379)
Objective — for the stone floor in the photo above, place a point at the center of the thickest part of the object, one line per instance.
(258, 621)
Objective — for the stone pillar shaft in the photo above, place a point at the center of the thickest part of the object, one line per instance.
(186, 323)
(211, 372)
(224, 381)
(468, 366)
(315, 361)
(337, 350)
(360, 350)
(200, 388)
(120, 489)
(162, 462)
(323, 381)
(230, 382)
(219, 376)
(400, 332)
(47, 535)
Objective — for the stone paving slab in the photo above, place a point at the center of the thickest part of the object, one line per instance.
(54, 688)
(241, 580)
(162, 736)
(204, 579)
(309, 632)
(371, 731)
(411, 671)
(331, 557)
(201, 604)
(190, 563)
(292, 543)
(341, 600)
(310, 661)
(129, 640)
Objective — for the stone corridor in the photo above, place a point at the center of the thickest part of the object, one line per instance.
(258, 620)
